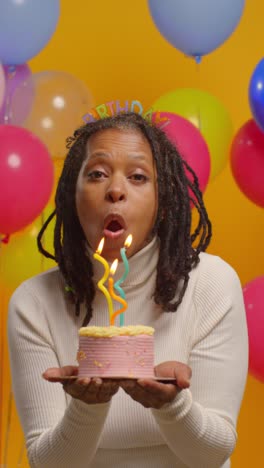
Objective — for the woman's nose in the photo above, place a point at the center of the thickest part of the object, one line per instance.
(116, 192)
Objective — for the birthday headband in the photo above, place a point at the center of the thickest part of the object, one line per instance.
(112, 108)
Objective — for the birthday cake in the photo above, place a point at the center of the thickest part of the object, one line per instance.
(116, 351)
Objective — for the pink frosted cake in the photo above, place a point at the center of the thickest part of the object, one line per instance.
(116, 351)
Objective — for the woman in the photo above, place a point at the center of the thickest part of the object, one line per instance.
(122, 176)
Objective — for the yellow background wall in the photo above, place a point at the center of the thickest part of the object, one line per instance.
(114, 47)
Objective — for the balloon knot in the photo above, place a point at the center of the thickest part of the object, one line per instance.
(5, 239)
(198, 58)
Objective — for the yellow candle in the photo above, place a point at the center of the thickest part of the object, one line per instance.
(113, 295)
(101, 282)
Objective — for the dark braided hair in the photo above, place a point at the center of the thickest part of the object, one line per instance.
(178, 191)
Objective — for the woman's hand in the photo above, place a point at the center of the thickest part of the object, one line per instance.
(154, 394)
(88, 390)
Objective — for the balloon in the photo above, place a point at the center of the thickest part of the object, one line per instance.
(190, 144)
(25, 28)
(256, 94)
(247, 161)
(20, 258)
(61, 100)
(196, 27)
(208, 115)
(16, 76)
(254, 303)
(2, 85)
(26, 178)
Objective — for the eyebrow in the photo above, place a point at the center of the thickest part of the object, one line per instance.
(101, 154)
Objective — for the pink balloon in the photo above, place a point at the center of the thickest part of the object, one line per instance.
(26, 178)
(189, 142)
(254, 302)
(17, 76)
(247, 161)
(2, 85)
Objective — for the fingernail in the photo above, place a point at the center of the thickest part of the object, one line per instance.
(142, 383)
(84, 381)
(183, 385)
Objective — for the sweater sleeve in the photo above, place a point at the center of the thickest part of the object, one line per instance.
(199, 426)
(57, 434)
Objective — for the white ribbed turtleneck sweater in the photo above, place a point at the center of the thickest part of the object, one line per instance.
(208, 332)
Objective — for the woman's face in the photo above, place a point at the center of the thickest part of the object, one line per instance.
(116, 191)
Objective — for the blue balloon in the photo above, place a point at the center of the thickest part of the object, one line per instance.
(25, 28)
(256, 94)
(196, 27)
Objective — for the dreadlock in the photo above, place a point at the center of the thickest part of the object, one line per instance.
(178, 192)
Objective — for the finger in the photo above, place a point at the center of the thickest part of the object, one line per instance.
(96, 382)
(164, 392)
(127, 382)
(148, 397)
(107, 390)
(97, 392)
(78, 387)
(183, 375)
(88, 385)
(128, 385)
(178, 370)
(157, 394)
(55, 374)
(113, 385)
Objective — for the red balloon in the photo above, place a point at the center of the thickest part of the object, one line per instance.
(247, 161)
(189, 142)
(254, 303)
(26, 178)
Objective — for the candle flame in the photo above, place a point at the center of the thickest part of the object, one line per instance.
(114, 266)
(100, 246)
(128, 241)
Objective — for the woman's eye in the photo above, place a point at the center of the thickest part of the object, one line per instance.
(139, 178)
(95, 175)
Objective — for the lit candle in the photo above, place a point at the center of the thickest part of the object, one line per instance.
(117, 286)
(119, 299)
(101, 282)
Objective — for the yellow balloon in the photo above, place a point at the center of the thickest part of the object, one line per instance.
(208, 115)
(20, 258)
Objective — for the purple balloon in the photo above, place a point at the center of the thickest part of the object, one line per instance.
(15, 77)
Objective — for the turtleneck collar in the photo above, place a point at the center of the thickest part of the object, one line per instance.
(141, 266)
